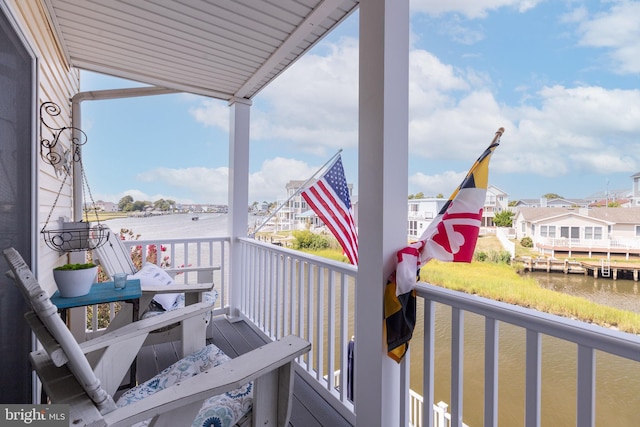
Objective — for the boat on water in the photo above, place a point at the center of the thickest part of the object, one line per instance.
(195, 218)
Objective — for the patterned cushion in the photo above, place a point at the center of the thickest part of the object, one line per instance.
(220, 411)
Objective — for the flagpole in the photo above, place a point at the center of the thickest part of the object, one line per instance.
(304, 184)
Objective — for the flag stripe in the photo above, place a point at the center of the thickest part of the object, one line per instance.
(323, 201)
(329, 199)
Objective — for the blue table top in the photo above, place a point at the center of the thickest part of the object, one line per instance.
(100, 293)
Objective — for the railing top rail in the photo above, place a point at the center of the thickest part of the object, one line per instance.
(320, 261)
(175, 240)
(610, 341)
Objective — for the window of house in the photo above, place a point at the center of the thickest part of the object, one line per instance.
(543, 231)
(575, 232)
(413, 228)
(637, 230)
(593, 232)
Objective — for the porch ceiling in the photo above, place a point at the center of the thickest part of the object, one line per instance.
(217, 48)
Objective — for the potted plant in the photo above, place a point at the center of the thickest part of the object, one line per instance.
(74, 280)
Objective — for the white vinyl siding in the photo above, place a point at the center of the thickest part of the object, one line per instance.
(57, 82)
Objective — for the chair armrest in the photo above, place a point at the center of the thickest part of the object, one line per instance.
(178, 287)
(189, 269)
(144, 326)
(230, 375)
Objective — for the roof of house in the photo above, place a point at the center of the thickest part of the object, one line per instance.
(495, 190)
(222, 49)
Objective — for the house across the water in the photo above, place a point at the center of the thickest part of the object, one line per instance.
(573, 231)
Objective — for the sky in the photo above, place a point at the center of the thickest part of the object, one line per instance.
(561, 76)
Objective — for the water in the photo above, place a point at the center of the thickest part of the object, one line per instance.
(173, 226)
(618, 381)
(622, 294)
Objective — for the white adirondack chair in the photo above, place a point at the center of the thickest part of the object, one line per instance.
(85, 375)
(114, 258)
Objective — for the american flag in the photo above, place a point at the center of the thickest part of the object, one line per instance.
(329, 199)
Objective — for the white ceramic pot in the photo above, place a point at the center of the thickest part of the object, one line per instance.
(75, 283)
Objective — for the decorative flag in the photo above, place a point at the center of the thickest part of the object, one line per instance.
(329, 199)
(451, 236)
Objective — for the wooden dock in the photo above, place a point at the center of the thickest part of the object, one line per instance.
(599, 268)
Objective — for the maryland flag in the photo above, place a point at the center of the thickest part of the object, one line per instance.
(451, 236)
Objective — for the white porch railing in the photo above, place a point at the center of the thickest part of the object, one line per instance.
(285, 291)
(588, 339)
(290, 292)
(614, 243)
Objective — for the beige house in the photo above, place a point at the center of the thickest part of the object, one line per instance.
(601, 230)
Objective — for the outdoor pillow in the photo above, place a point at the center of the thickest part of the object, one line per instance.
(152, 275)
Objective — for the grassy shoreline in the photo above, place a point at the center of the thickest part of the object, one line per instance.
(501, 282)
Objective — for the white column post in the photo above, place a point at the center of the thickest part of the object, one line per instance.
(238, 193)
(382, 198)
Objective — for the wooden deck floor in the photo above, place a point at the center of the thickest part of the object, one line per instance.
(309, 409)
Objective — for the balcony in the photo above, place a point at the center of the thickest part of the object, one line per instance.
(589, 247)
(288, 292)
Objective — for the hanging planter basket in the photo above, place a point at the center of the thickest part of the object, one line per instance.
(69, 236)
(76, 236)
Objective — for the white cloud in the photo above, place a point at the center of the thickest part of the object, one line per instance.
(431, 185)
(618, 31)
(472, 9)
(315, 105)
(554, 132)
(212, 113)
(210, 185)
(205, 184)
(268, 184)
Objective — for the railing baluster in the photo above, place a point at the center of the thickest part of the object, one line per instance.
(586, 399)
(331, 332)
(286, 295)
(302, 266)
(457, 364)
(491, 338)
(320, 323)
(273, 275)
(344, 338)
(428, 375)
(310, 309)
(533, 378)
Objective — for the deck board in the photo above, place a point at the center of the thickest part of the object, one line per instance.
(308, 408)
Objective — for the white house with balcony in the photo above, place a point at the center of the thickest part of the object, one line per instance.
(422, 211)
(495, 202)
(601, 230)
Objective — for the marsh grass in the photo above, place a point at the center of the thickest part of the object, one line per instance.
(500, 282)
